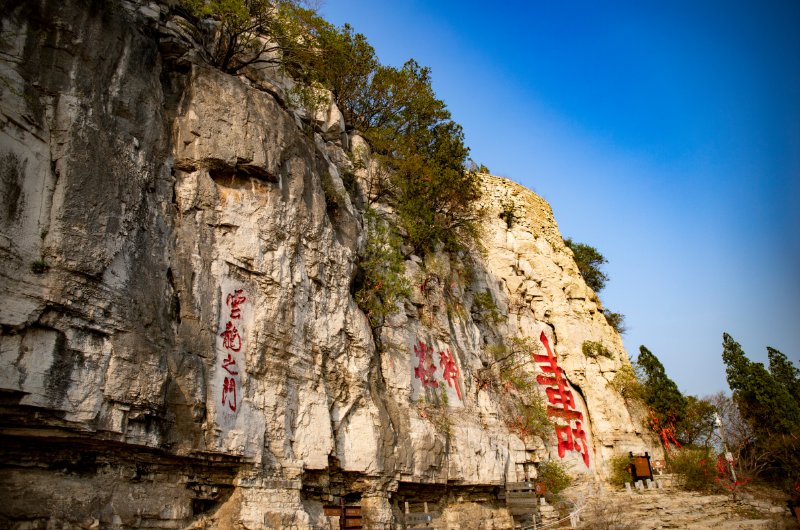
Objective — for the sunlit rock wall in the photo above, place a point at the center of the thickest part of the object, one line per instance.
(180, 344)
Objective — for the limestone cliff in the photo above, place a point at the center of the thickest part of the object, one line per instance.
(180, 345)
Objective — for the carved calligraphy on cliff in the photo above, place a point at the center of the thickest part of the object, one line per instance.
(436, 372)
(570, 434)
(230, 355)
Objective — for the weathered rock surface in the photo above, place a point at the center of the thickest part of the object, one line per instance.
(180, 344)
(671, 508)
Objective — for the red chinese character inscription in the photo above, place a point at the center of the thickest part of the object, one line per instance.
(227, 363)
(449, 370)
(558, 393)
(426, 368)
(234, 301)
(231, 338)
(229, 388)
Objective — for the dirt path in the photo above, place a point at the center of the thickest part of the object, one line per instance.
(672, 508)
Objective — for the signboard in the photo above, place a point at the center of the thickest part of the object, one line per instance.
(640, 467)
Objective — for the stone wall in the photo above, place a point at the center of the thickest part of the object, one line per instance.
(180, 345)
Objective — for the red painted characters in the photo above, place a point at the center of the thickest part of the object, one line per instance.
(234, 300)
(449, 370)
(230, 337)
(426, 368)
(229, 393)
(232, 342)
(571, 437)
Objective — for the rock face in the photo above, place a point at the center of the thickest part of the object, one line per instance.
(180, 344)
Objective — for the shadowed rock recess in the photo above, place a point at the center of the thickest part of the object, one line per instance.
(180, 343)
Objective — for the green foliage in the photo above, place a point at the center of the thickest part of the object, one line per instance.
(554, 475)
(615, 320)
(619, 467)
(770, 446)
(784, 372)
(509, 368)
(596, 349)
(345, 65)
(588, 259)
(397, 104)
(437, 415)
(736, 364)
(411, 133)
(443, 399)
(531, 418)
(690, 420)
(627, 384)
(236, 42)
(483, 306)
(513, 376)
(507, 213)
(522, 407)
(697, 425)
(381, 281)
(39, 266)
(763, 401)
(308, 98)
(435, 410)
(409, 129)
(694, 468)
(661, 393)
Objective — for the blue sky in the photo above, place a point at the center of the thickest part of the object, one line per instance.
(665, 134)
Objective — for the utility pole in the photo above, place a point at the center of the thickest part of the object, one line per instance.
(728, 455)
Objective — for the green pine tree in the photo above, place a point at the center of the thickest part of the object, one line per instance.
(660, 392)
(784, 372)
(589, 259)
(763, 400)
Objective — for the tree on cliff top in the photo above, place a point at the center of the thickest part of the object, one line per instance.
(588, 259)
(242, 25)
(412, 133)
(409, 129)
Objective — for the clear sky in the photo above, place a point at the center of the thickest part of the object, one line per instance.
(666, 134)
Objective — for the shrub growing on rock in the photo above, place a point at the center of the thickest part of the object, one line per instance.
(627, 383)
(595, 349)
(554, 475)
(380, 282)
(235, 40)
(619, 466)
(588, 259)
(695, 469)
(615, 320)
